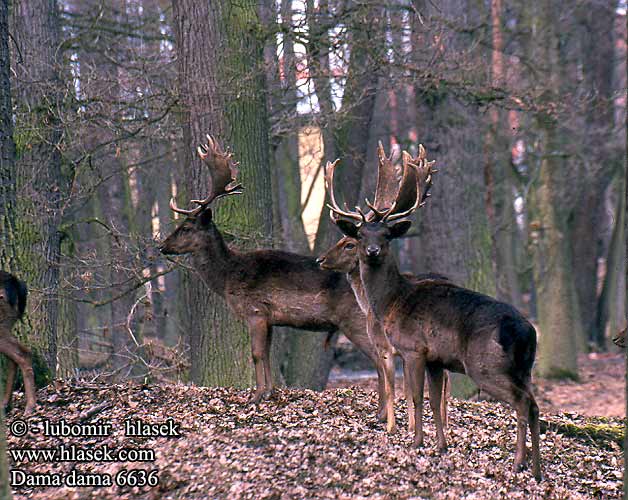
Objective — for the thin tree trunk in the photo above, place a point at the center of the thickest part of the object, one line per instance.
(596, 39)
(561, 334)
(222, 93)
(7, 199)
(308, 364)
(607, 301)
(499, 192)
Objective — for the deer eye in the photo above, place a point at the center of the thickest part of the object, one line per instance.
(349, 246)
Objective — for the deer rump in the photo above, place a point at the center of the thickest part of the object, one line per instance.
(459, 328)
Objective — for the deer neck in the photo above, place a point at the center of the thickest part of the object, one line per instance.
(214, 261)
(358, 289)
(382, 284)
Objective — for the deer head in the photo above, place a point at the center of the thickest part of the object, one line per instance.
(374, 234)
(343, 256)
(189, 236)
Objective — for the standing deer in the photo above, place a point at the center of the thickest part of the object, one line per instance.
(12, 306)
(343, 257)
(438, 325)
(267, 288)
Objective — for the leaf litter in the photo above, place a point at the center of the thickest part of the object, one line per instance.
(305, 444)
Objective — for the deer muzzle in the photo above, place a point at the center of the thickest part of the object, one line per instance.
(373, 250)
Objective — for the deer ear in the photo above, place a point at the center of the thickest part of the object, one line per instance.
(205, 217)
(347, 227)
(399, 229)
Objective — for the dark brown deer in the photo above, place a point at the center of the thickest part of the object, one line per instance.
(343, 257)
(267, 288)
(438, 325)
(13, 294)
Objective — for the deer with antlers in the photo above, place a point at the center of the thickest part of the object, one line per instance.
(267, 288)
(438, 325)
(343, 257)
(13, 294)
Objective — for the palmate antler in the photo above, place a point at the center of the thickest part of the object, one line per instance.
(223, 173)
(398, 198)
(418, 191)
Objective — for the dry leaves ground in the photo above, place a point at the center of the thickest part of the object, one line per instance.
(304, 444)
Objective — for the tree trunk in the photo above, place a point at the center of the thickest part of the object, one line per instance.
(455, 236)
(222, 93)
(596, 35)
(308, 364)
(7, 199)
(607, 302)
(499, 189)
(560, 329)
(38, 136)
(558, 315)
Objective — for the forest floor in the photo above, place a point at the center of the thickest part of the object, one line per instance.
(599, 392)
(300, 445)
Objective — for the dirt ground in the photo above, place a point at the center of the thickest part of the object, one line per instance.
(299, 445)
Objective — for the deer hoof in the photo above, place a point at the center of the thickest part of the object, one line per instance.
(520, 466)
(256, 397)
(30, 409)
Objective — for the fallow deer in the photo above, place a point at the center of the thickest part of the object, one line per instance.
(343, 257)
(438, 325)
(13, 294)
(266, 288)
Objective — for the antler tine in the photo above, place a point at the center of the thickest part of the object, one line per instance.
(222, 168)
(379, 214)
(329, 185)
(423, 172)
(178, 210)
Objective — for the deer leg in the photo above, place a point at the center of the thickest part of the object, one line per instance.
(435, 380)
(268, 373)
(21, 356)
(383, 356)
(502, 387)
(522, 428)
(8, 391)
(258, 328)
(381, 389)
(443, 403)
(407, 389)
(416, 370)
(533, 421)
(388, 365)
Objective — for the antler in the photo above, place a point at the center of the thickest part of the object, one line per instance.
(404, 197)
(421, 169)
(329, 185)
(387, 186)
(223, 173)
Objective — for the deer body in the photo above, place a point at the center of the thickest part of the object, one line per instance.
(438, 325)
(343, 257)
(13, 294)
